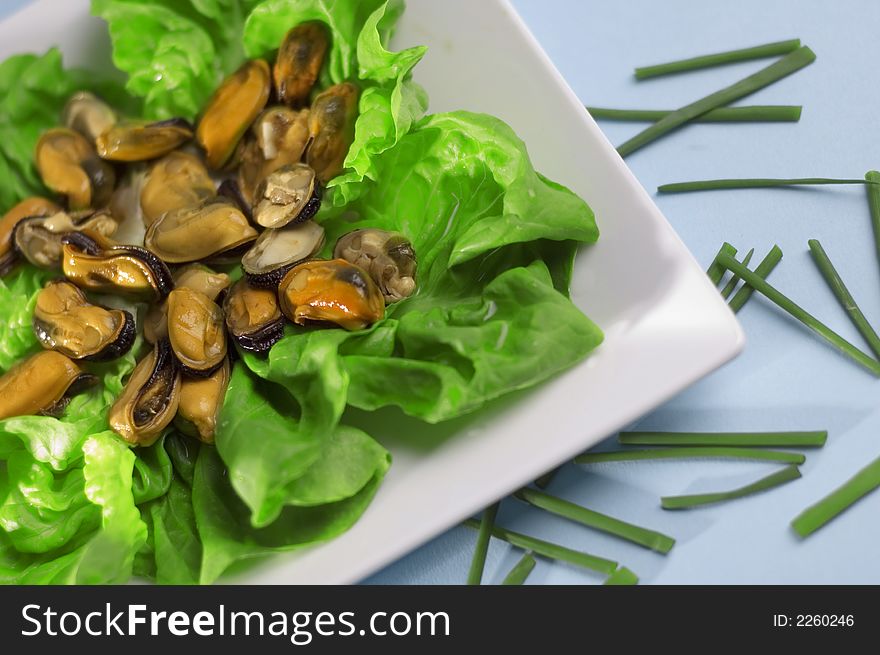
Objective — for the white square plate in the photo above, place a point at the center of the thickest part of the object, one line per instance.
(665, 325)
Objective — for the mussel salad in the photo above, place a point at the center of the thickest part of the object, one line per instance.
(213, 279)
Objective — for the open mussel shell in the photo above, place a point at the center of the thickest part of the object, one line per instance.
(142, 141)
(253, 317)
(200, 403)
(232, 109)
(289, 195)
(124, 270)
(194, 276)
(41, 384)
(331, 129)
(333, 291)
(388, 257)
(34, 207)
(205, 231)
(69, 165)
(149, 399)
(299, 62)
(89, 115)
(177, 180)
(65, 321)
(196, 331)
(277, 251)
(38, 239)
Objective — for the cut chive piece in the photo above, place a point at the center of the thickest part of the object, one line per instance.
(755, 183)
(815, 439)
(762, 270)
(716, 270)
(478, 562)
(782, 476)
(622, 576)
(718, 59)
(551, 550)
(873, 178)
(734, 279)
(748, 114)
(789, 64)
(521, 571)
(691, 453)
(861, 484)
(544, 481)
(760, 285)
(651, 539)
(838, 288)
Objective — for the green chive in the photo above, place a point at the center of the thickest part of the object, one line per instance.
(760, 285)
(838, 288)
(719, 59)
(648, 538)
(873, 177)
(734, 279)
(754, 183)
(622, 576)
(862, 483)
(695, 500)
(715, 270)
(691, 453)
(789, 64)
(544, 481)
(551, 550)
(749, 114)
(521, 571)
(763, 270)
(814, 439)
(475, 575)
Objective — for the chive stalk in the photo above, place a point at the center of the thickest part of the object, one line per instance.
(762, 270)
(746, 114)
(622, 576)
(718, 59)
(784, 303)
(756, 183)
(521, 571)
(549, 549)
(873, 178)
(734, 279)
(812, 439)
(544, 481)
(478, 562)
(716, 270)
(838, 288)
(775, 479)
(815, 516)
(789, 64)
(691, 453)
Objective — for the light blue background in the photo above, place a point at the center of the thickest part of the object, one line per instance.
(786, 379)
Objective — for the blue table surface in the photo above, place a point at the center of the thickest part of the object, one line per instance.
(786, 379)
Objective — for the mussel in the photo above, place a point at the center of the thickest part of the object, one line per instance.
(141, 141)
(253, 318)
(200, 403)
(38, 239)
(196, 331)
(194, 276)
(205, 231)
(68, 323)
(333, 291)
(88, 115)
(149, 399)
(276, 251)
(69, 165)
(41, 384)
(331, 129)
(289, 195)
(232, 109)
(28, 208)
(125, 270)
(388, 258)
(299, 62)
(176, 181)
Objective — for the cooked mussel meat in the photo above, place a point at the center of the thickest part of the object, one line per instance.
(333, 291)
(149, 399)
(125, 270)
(196, 277)
(141, 141)
(28, 208)
(200, 403)
(276, 251)
(65, 321)
(89, 115)
(331, 129)
(69, 165)
(299, 62)
(232, 109)
(204, 231)
(289, 195)
(41, 384)
(253, 317)
(176, 181)
(38, 239)
(196, 331)
(388, 258)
